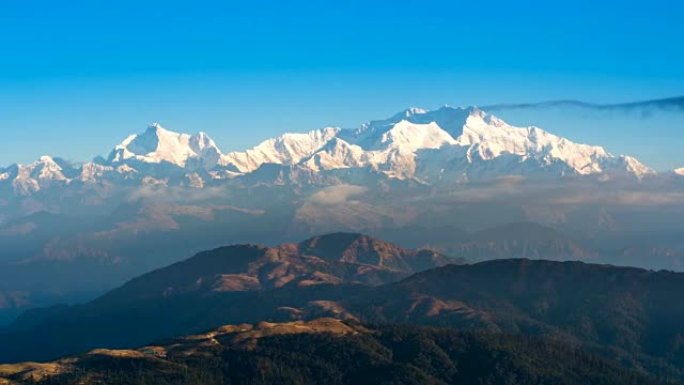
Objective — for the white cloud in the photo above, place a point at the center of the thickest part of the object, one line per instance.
(335, 195)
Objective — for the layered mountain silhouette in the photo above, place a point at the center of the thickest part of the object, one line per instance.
(234, 272)
(624, 314)
(458, 184)
(451, 173)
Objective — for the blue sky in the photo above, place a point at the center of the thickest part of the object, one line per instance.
(77, 77)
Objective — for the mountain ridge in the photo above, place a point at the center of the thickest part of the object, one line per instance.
(449, 144)
(336, 258)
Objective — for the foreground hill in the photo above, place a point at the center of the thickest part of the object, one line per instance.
(329, 351)
(627, 313)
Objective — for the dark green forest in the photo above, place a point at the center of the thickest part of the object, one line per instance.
(387, 355)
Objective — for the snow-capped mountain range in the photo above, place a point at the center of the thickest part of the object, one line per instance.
(445, 145)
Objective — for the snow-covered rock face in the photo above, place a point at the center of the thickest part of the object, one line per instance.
(419, 144)
(30, 178)
(445, 145)
(469, 142)
(158, 145)
(336, 154)
(489, 138)
(286, 149)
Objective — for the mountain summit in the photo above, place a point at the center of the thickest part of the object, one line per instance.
(158, 145)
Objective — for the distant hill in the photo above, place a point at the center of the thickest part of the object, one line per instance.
(330, 259)
(521, 240)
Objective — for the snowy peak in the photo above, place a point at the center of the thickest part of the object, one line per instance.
(336, 154)
(631, 166)
(449, 119)
(29, 178)
(46, 168)
(287, 149)
(469, 137)
(491, 137)
(411, 137)
(158, 145)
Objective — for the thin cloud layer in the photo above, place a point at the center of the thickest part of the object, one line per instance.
(646, 107)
